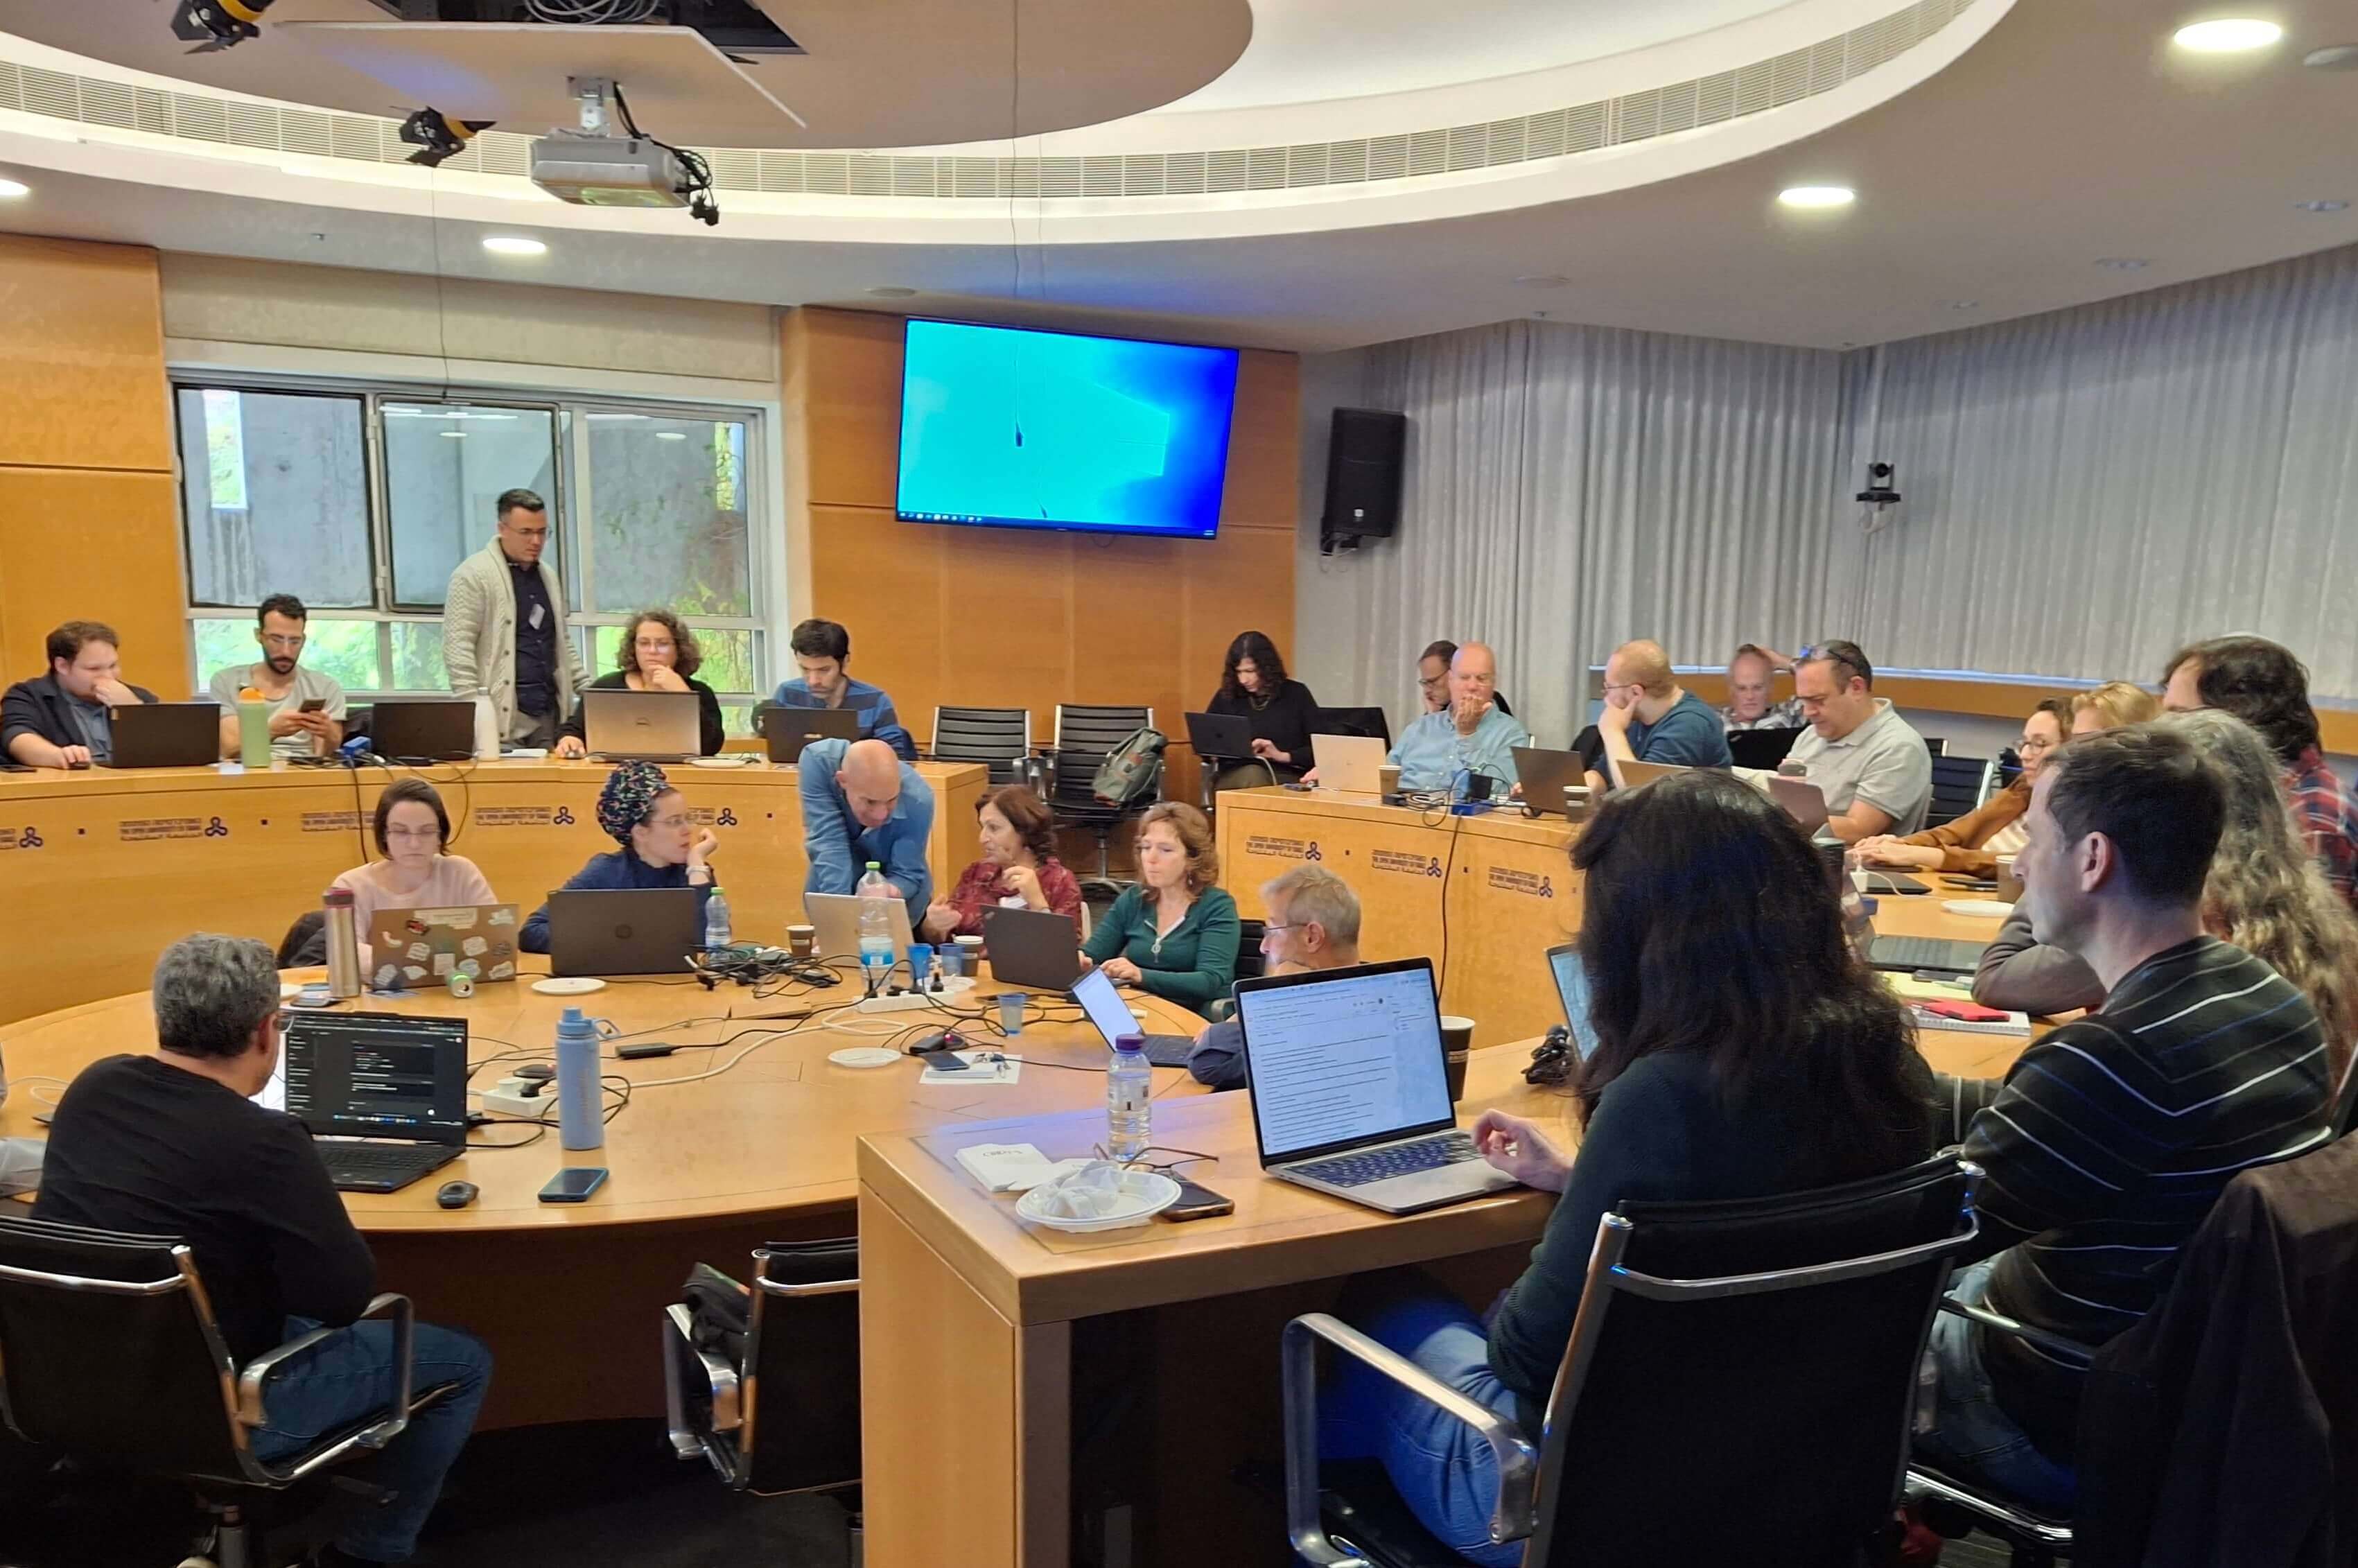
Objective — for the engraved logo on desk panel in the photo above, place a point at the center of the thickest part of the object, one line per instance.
(522, 817)
(1504, 879)
(728, 818)
(713, 816)
(1282, 848)
(145, 829)
(1407, 865)
(564, 817)
(24, 838)
(331, 822)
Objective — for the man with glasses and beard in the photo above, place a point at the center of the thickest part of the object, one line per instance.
(306, 708)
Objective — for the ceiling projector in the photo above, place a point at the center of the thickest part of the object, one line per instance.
(609, 171)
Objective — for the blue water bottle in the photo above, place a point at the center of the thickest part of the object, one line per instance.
(580, 1123)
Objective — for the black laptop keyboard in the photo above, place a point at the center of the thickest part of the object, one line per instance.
(1926, 953)
(1371, 1165)
(381, 1167)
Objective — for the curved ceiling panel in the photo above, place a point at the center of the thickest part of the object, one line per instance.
(870, 73)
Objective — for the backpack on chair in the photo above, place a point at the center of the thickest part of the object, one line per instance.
(1131, 771)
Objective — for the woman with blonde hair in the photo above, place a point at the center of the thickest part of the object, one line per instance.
(2112, 704)
(1171, 933)
(2266, 893)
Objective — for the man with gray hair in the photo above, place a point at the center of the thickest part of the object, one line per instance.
(1314, 924)
(172, 1144)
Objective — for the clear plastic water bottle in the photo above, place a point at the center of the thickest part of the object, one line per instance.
(876, 953)
(1129, 1098)
(716, 919)
(581, 1120)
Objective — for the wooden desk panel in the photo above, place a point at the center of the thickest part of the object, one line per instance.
(133, 861)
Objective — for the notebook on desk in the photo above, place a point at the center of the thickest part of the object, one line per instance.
(384, 1094)
(1350, 1090)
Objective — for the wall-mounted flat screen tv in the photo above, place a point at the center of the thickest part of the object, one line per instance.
(1011, 428)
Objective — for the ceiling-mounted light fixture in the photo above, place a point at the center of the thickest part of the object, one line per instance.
(2226, 35)
(1816, 198)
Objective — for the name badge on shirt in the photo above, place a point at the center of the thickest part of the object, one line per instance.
(539, 615)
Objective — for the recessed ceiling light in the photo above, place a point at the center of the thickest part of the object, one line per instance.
(2332, 56)
(893, 291)
(453, 435)
(2123, 264)
(2323, 206)
(1543, 280)
(1817, 195)
(514, 246)
(671, 436)
(2226, 35)
(1964, 304)
(12, 189)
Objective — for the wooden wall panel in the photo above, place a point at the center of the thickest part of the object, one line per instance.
(87, 544)
(82, 359)
(1001, 618)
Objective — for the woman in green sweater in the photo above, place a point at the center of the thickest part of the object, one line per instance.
(1172, 933)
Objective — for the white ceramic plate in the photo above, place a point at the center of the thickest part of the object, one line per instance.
(1988, 908)
(863, 1056)
(568, 984)
(1148, 1193)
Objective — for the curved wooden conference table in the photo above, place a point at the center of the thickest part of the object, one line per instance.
(567, 1296)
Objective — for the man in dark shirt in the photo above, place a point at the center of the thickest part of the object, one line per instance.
(171, 1145)
(65, 718)
(2111, 1138)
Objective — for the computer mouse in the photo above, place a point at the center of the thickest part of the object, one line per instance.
(456, 1194)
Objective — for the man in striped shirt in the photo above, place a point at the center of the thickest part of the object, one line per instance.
(2109, 1140)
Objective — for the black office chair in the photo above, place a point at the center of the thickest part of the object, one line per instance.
(774, 1408)
(1086, 735)
(999, 737)
(1936, 745)
(1739, 1387)
(1959, 785)
(109, 1353)
(1954, 1504)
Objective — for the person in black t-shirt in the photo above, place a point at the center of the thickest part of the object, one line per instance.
(170, 1144)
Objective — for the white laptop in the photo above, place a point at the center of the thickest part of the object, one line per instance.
(1350, 1094)
(835, 918)
(1635, 774)
(651, 726)
(1804, 802)
(1349, 763)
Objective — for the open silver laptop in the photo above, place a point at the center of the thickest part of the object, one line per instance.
(1572, 990)
(1349, 763)
(647, 726)
(1635, 775)
(835, 921)
(1350, 1094)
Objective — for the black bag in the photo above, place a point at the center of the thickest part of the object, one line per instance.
(720, 1310)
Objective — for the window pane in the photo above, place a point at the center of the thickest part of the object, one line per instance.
(445, 465)
(668, 524)
(418, 657)
(737, 718)
(343, 649)
(274, 495)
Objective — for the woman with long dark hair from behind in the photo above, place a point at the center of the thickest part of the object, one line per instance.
(1741, 1053)
(1255, 688)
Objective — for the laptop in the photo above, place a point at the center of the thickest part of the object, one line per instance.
(1228, 736)
(623, 931)
(1545, 775)
(167, 735)
(438, 730)
(1571, 990)
(835, 923)
(1350, 1095)
(396, 1080)
(1635, 775)
(1941, 955)
(1033, 947)
(641, 726)
(1102, 1001)
(1804, 802)
(1349, 763)
(409, 948)
(1762, 749)
(787, 730)
(1879, 882)
(1367, 721)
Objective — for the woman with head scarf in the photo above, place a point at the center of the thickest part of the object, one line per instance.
(661, 846)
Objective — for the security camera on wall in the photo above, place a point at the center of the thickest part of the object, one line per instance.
(1879, 493)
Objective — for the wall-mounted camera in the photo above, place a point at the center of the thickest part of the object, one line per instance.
(1879, 491)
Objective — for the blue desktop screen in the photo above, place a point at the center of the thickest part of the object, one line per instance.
(1024, 430)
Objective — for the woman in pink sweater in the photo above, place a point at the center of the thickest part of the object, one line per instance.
(411, 827)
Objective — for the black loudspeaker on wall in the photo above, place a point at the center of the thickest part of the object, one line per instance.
(1363, 476)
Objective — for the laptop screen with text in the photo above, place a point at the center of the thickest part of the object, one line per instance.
(377, 1074)
(1352, 1057)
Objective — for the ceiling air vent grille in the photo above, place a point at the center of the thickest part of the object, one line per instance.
(1441, 150)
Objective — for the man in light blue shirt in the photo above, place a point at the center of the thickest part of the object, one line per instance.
(1468, 739)
(860, 803)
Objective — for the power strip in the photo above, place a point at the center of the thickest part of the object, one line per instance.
(904, 1001)
(508, 1102)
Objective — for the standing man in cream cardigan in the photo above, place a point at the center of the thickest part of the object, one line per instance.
(503, 628)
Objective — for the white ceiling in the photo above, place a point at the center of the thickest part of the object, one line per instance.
(1307, 50)
(2070, 134)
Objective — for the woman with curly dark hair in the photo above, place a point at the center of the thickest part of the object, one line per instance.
(657, 653)
(1254, 687)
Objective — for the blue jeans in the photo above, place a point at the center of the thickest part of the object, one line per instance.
(343, 1378)
(1441, 1467)
(1970, 1432)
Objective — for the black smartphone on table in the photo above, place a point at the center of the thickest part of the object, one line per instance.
(1195, 1202)
(574, 1184)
